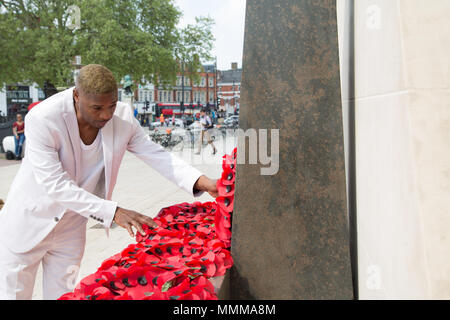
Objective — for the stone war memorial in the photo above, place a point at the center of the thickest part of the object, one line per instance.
(291, 241)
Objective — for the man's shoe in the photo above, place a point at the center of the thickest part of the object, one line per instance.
(214, 151)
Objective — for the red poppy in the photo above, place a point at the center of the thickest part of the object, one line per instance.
(228, 163)
(182, 291)
(110, 261)
(225, 203)
(102, 293)
(227, 177)
(225, 190)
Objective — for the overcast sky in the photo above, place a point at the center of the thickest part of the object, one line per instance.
(229, 17)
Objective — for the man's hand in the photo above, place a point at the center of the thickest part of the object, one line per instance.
(128, 218)
(205, 184)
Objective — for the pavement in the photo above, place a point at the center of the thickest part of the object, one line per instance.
(138, 188)
(5, 163)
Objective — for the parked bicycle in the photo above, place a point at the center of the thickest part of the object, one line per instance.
(167, 140)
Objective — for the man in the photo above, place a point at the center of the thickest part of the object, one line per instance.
(206, 123)
(76, 142)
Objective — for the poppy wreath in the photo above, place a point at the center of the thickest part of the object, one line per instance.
(174, 260)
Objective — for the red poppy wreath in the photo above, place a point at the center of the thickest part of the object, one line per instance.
(177, 259)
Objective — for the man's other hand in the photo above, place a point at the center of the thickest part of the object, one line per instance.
(128, 219)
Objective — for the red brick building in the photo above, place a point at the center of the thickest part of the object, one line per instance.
(196, 96)
(229, 90)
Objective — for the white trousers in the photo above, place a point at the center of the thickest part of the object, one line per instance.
(60, 253)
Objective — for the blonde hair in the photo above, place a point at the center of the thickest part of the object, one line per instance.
(96, 79)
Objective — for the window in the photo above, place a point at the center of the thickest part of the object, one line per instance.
(211, 82)
(41, 94)
(203, 82)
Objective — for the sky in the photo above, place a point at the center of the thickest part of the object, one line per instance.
(229, 17)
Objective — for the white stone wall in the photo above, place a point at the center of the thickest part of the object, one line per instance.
(402, 78)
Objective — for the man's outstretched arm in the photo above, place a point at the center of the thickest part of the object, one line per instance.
(171, 167)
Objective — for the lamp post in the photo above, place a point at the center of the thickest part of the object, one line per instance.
(182, 86)
(216, 107)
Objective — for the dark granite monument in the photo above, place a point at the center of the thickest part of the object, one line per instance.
(291, 241)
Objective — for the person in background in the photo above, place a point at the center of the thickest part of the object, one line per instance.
(206, 123)
(19, 135)
(161, 119)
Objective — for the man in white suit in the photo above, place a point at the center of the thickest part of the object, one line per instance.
(76, 142)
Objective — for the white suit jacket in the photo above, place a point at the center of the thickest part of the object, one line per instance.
(46, 185)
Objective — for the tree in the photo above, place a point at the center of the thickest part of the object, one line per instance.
(134, 37)
(194, 46)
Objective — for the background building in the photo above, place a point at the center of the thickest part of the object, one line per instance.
(16, 98)
(229, 90)
(187, 98)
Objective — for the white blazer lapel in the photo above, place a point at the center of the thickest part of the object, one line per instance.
(108, 145)
(74, 132)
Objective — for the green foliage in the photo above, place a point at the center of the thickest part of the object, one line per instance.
(135, 37)
(195, 45)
